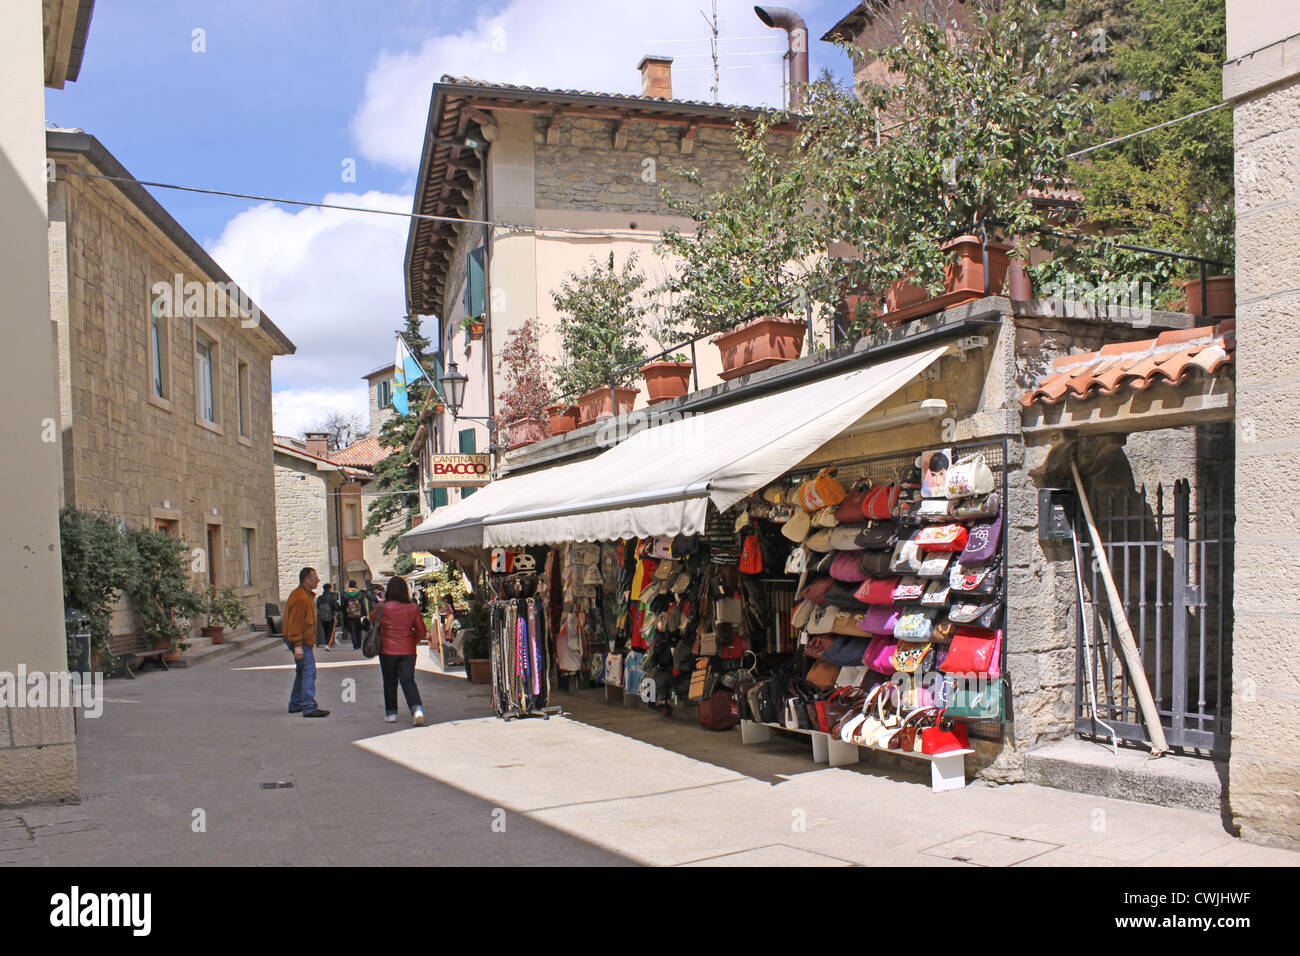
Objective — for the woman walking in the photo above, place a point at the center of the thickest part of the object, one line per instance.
(400, 628)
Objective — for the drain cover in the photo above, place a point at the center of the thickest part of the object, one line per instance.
(277, 785)
(991, 849)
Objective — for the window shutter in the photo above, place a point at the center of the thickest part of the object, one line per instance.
(467, 446)
(474, 282)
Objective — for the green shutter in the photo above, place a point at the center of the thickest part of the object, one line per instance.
(467, 443)
(474, 282)
(437, 497)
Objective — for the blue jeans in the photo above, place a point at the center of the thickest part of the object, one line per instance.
(303, 697)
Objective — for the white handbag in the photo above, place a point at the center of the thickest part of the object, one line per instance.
(970, 476)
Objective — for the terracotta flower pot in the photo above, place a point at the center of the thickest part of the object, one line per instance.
(1220, 297)
(214, 633)
(563, 418)
(172, 655)
(963, 281)
(595, 404)
(480, 671)
(666, 380)
(527, 431)
(759, 344)
(476, 330)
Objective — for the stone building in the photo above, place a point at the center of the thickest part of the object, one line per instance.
(1262, 80)
(41, 46)
(554, 160)
(307, 523)
(164, 375)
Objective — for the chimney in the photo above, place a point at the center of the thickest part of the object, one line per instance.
(656, 76)
(318, 444)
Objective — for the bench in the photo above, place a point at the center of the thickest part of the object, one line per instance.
(274, 620)
(947, 770)
(133, 645)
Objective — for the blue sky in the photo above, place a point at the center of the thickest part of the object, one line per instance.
(272, 98)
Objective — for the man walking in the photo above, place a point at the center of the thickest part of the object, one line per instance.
(300, 637)
(356, 608)
(327, 606)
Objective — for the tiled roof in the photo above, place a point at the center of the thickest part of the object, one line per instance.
(365, 453)
(1170, 358)
(613, 98)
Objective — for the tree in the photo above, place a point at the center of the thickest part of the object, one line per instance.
(398, 474)
(601, 323)
(527, 383)
(343, 429)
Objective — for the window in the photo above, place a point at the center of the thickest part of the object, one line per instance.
(205, 351)
(437, 497)
(385, 388)
(159, 382)
(241, 382)
(215, 555)
(351, 519)
(248, 550)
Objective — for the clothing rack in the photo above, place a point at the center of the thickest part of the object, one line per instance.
(521, 658)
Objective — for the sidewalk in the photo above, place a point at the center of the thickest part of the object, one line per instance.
(603, 786)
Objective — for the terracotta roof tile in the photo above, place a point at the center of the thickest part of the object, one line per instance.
(365, 453)
(1170, 358)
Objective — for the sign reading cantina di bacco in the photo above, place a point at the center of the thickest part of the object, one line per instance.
(455, 471)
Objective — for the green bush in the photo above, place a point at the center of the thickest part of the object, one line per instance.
(98, 560)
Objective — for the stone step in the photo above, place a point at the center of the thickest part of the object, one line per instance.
(237, 644)
(1196, 783)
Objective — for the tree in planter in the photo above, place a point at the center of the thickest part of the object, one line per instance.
(477, 643)
(98, 560)
(960, 139)
(753, 239)
(225, 607)
(601, 323)
(398, 474)
(159, 589)
(527, 380)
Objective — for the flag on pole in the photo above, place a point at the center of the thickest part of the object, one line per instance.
(406, 371)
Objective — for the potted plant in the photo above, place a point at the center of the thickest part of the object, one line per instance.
(159, 590)
(1220, 296)
(526, 386)
(224, 609)
(563, 418)
(749, 258)
(475, 328)
(476, 644)
(667, 378)
(601, 327)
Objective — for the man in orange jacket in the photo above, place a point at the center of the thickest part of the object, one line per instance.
(300, 636)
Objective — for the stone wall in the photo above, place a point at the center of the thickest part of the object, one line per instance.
(302, 519)
(1264, 768)
(126, 452)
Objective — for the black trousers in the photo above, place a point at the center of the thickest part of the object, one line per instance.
(353, 626)
(399, 668)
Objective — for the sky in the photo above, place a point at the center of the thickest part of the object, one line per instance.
(326, 101)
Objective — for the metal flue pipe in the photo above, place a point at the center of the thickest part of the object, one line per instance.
(786, 19)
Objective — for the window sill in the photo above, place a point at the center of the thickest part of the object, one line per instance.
(245, 440)
(210, 426)
(162, 403)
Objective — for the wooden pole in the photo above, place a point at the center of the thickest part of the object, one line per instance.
(1132, 659)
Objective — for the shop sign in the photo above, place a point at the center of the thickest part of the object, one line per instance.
(457, 471)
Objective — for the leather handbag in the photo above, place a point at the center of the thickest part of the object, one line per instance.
(802, 615)
(878, 536)
(825, 518)
(818, 645)
(945, 736)
(816, 592)
(846, 625)
(849, 511)
(880, 501)
(908, 736)
(823, 674)
(980, 506)
(820, 491)
(983, 701)
(798, 527)
(969, 476)
(875, 563)
(879, 655)
(942, 537)
(844, 597)
(880, 725)
(974, 651)
(879, 620)
(846, 651)
(845, 567)
(841, 702)
(819, 540)
(845, 537)
(881, 590)
(822, 620)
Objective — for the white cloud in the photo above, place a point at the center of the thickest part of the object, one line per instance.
(568, 44)
(331, 280)
(295, 410)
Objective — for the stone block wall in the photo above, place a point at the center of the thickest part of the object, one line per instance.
(127, 453)
(302, 519)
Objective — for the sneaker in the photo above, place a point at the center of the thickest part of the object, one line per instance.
(417, 718)
(316, 713)
(390, 718)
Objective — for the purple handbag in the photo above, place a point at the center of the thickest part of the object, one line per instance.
(845, 567)
(879, 620)
(982, 540)
(880, 655)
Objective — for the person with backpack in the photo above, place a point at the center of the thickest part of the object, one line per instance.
(356, 612)
(399, 627)
(327, 607)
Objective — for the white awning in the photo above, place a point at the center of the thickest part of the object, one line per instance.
(660, 480)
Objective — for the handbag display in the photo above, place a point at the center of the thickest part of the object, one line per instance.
(875, 563)
(880, 621)
(974, 651)
(845, 537)
(908, 655)
(844, 597)
(935, 509)
(878, 536)
(849, 511)
(825, 518)
(942, 537)
(816, 592)
(818, 645)
(823, 674)
(802, 615)
(987, 615)
(908, 736)
(847, 625)
(846, 651)
(907, 556)
(820, 491)
(936, 594)
(974, 579)
(879, 655)
(969, 476)
(884, 718)
(819, 540)
(880, 500)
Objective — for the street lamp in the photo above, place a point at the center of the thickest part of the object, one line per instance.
(453, 387)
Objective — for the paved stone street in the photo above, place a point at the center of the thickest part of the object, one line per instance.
(603, 786)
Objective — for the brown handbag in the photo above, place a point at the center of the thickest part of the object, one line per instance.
(823, 674)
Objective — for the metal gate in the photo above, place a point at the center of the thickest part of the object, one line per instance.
(1173, 569)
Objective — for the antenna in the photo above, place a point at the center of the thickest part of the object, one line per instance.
(713, 49)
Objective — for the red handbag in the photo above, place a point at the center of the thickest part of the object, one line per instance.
(937, 740)
(879, 590)
(973, 651)
(816, 592)
(751, 556)
(942, 537)
(880, 501)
